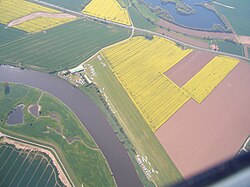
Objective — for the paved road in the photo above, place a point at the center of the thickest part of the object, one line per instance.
(136, 29)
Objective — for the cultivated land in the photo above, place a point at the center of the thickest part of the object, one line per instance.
(75, 5)
(108, 10)
(195, 33)
(230, 47)
(24, 166)
(139, 65)
(200, 136)
(65, 134)
(206, 80)
(62, 47)
(9, 34)
(143, 139)
(188, 67)
(11, 10)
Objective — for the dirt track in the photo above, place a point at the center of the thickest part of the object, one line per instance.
(200, 136)
(195, 33)
(39, 14)
(188, 67)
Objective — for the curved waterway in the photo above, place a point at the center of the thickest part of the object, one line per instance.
(86, 110)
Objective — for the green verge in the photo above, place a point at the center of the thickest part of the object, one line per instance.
(136, 128)
(230, 47)
(79, 153)
(62, 47)
(238, 17)
(139, 21)
(9, 34)
(75, 5)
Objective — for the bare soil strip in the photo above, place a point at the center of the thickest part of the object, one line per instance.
(244, 40)
(183, 38)
(189, 66)
(195, 33)
(38, 14)
(200, 136)
(24, 146)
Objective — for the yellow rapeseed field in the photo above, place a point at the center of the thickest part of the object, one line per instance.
(42, 23)
(203, 83)
(109, 10)
(11, 10)
(139, 65)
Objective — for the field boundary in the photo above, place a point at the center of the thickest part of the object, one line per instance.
(41, 146)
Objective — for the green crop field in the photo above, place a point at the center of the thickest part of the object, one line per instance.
(65, 134)
(26, 168)
(238, 16)
(139, 21)
(9, 34)
(230, 47)
(139, 133)
(62, 47)
(75, 5)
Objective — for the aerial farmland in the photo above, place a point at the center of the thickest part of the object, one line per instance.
(121, 92)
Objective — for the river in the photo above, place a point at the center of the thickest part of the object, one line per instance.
(86, 110)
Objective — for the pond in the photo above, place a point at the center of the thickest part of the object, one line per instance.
(16, 115)
(34, 110)
(203, 18)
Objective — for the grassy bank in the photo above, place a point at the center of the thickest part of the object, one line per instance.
(62, 47)
(142, 138)
(82, 159)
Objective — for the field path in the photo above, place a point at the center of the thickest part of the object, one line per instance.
(39, 14)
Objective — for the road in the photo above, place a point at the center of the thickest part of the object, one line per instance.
(133, 28)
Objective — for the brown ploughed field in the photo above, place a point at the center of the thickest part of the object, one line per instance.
(196, 33)
(200, 136)
(183, 38)
(189, 66)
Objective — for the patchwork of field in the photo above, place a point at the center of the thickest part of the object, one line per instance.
(206, 80)
(139, 65)
(219, 125)
(26, 168)
(11, 10)
(108, 10)
(62, 47)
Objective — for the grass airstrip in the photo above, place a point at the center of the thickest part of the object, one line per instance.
(64, 133)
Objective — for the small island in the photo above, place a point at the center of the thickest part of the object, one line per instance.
(181, 7)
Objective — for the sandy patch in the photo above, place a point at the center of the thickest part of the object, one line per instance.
(24, 146)
(200, 136)
(195, 33)
(244, 39)
(189, 66)
(38, 14)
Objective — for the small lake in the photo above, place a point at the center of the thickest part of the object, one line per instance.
(34, 110)
(202, 19)
(16, 115)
